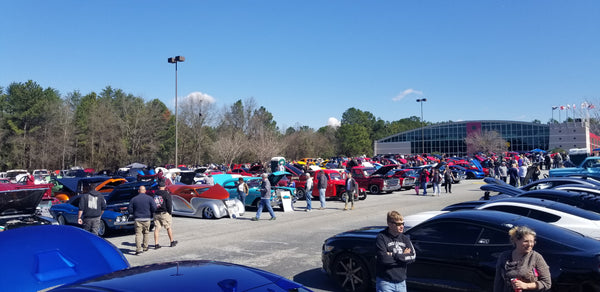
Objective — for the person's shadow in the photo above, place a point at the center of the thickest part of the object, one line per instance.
(316, 279)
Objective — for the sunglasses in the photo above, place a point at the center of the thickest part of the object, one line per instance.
(397, 223)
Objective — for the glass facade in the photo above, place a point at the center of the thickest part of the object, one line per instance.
(450, 137)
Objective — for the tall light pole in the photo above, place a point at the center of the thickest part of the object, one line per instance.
(422, 100)
(175, 60)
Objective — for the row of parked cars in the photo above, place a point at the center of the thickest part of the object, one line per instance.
(457, 247)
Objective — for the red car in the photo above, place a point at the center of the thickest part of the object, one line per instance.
(376, 180)
(336, 185)
(240, 171)
(407, 177)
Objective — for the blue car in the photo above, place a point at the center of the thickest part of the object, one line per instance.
(115, 217)
(187, 276)
(37, 258)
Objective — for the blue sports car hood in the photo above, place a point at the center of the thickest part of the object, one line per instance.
(188, 276)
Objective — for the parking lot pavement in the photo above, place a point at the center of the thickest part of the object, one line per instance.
(291, 245)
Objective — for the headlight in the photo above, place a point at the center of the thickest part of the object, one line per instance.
(327, 248)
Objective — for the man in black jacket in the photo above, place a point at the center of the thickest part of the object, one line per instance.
(394, 253)
(162, 215)
(91, 207)
(142, 207)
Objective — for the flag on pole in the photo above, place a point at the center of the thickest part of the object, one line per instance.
(554, 107)
(591, 106)
(562, 107)
(573, 106)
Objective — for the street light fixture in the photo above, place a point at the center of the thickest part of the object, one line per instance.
(422, 100)
(175, 60)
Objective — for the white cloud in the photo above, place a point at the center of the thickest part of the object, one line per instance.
(405, 93)
(199, 96)
(333, 122)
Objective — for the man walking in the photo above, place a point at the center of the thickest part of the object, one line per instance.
(163, 214)
(351, 191)
(142, 207)
(322, 185)
(394, 253)
(308, 192)
(91, 207)
(265, 198)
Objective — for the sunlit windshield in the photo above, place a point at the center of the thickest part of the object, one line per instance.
(335, 176)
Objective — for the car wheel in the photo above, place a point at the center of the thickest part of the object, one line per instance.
(208, 213)
(300, 194)
(362, 196)
(102, 230)
(351, 273)
(374, 189)
(61, 220)
(343, 196)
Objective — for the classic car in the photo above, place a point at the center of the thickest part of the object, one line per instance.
(65, 188)
(336, 186)
(39, 258)
(253, 197)
(241, 171)
(194, 275)
(18, 208)
(115, 217)
(458, 251)
(406, 177)
(204, 201)
(376, 180)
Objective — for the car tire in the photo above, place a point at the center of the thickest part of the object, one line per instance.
(351, 273)
(61, 220)
(102, 230)
(208, 213)
(343, 196)
(374, 189)
(362, 196)
(300, 193)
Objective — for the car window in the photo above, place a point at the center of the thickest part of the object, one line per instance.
(201, 190)
(540, 186)
(335, 176)
(253, 183)
(447, 233)
(543, 216)
(509, 209)
(229, 185)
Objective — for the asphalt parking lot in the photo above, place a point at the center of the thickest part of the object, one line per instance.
(291, 245)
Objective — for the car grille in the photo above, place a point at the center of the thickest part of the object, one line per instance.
(392, 182)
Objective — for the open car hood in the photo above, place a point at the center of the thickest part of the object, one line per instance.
(384, 169)
(20, 202)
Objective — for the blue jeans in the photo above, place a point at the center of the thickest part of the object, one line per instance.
(308, 196)
(265, 203)
(424, 187)
(322, 197)
(384, 286)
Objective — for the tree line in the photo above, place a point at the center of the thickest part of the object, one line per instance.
(39, 128)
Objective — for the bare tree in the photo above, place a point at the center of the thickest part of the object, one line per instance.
(228, 148)
(486, 141)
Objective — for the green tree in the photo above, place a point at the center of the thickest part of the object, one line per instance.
(354, 140)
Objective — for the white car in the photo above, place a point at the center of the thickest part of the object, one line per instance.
(414, 219)
(559, 214)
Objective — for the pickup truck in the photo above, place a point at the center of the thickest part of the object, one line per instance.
(589, 166)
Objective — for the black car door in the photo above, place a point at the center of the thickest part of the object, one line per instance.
(446, 256)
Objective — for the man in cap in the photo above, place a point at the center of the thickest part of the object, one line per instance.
(265, 198)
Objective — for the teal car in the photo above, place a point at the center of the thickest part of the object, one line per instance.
(253, 197)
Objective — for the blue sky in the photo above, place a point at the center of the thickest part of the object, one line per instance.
(308, 61)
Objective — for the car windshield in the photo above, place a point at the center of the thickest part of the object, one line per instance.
(369, 171)
(253, 183)
(335, 176)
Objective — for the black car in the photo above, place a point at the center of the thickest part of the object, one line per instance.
(506, 190)
(18, 208)
(458, 251)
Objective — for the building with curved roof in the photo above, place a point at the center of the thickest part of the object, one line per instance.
(450, 137)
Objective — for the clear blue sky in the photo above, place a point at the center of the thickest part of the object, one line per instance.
(307, 61)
